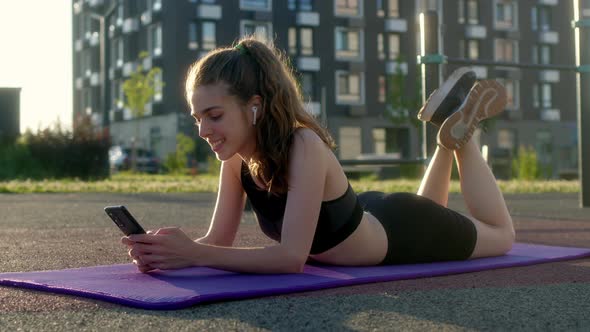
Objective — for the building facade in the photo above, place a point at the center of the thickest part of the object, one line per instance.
(350, 57)
(9, 114)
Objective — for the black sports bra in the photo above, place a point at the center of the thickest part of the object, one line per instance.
(338, 218)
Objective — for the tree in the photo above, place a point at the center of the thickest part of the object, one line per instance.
(139, 89)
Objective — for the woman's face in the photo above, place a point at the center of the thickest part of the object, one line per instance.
(223, 122)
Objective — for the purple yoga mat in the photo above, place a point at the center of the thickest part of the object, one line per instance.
(175, 289)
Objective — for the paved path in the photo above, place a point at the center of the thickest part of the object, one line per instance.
(55, 231)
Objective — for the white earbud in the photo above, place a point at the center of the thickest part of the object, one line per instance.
(254, 110)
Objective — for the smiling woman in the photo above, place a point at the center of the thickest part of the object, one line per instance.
(248, 107)
(38, 60)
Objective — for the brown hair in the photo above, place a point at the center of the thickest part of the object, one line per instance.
(253, 68)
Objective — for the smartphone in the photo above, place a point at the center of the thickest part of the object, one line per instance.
(124, 220)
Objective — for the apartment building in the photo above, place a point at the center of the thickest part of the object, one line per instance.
(346, 53)
(9, 114)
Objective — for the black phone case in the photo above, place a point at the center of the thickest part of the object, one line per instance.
(124, 220)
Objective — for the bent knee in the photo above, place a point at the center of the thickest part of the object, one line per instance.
(494, 241)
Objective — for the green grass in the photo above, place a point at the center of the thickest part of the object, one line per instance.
(141, 183)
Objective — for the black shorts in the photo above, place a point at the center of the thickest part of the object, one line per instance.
(418, 229)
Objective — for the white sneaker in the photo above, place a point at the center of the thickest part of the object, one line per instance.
(446, 99)
(486, 99)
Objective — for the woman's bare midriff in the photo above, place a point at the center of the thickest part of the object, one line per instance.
(367, 245)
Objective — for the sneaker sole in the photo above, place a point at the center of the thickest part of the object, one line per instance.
(433, 103)
(485, 100)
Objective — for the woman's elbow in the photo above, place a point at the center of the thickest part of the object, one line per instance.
(293, 262)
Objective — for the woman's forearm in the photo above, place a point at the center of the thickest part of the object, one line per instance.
(272, 259)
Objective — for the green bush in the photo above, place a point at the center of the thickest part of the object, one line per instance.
(526, 166)
(57, 153)
(213, 165)
(177, 162)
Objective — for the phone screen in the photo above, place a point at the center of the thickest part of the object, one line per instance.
(124, 220)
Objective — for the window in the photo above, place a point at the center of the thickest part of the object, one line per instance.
(262, 30)
(469, 49)
(391, 141)
(461, 11)
(542, 95)
(209, 36)
(193, 43)
(88, 102)
(301, 5)
(392, 8)
(544, 146)
(382, 89)
(472, 12)
(380, 8)
(512, 92)
(507, 139)
(293, 41)
(120, 14)
(506, 50)
(394, 48)
(380, 47)
(86, 63)
(306, 38)
(348, 43)
(350, 137)
(256, 4)
(349, 87)
(348, 8)
(158, 86)
(120, 52)
(541, 18)
(304, 42)
(541, 54)
(505, 15)
(117, 95)
(307, 86)
(155, 40)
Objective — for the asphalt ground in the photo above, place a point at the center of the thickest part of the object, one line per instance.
(56, 231)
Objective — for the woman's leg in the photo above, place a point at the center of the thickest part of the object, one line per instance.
(435, 183)
(485, 202)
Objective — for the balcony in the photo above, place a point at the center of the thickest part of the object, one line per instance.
(95, 3)
(94, 79)
(308, 63)
(114, 30)
(146, 17)
(130, 25)
(129, 68)
(396, 25)
(147, 63)
(393, 67)
(548, 37)
(481, 72)
(549, 76)
(79, 83)
(550, 114)
(210, 12)
(547, 2)
(475, 32)
(79, 45)
(314, 108)
(308, 18)
(78, 6)
(94, 39)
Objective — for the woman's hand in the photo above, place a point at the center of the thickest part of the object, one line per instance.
(167, 248)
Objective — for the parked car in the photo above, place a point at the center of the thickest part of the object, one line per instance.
(120, 159)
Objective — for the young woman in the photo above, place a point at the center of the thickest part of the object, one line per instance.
(247, 106)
